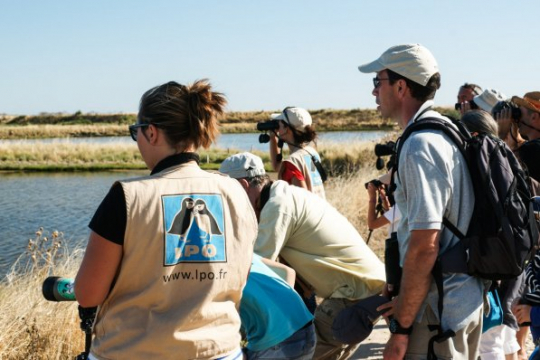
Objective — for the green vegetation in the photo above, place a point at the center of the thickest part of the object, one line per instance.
(19, 156)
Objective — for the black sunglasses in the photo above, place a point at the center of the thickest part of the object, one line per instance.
(377, 81)
(133, 130)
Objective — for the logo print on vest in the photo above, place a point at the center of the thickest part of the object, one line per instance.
(194, 228)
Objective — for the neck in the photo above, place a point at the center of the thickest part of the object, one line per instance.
(408, 110)
(513, 139)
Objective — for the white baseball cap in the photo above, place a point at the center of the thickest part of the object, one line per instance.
(243, 165)
(488, 99)
(296, 117)
(412, 61)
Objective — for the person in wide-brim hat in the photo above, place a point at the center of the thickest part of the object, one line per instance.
(531, 101)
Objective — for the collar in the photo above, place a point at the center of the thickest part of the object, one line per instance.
(174, 160)
(427, 106)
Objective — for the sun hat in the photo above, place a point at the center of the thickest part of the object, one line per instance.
(354, 323)
(242, 165)
(488, 99)
(296, 117)
(531, 101)
(412, 61)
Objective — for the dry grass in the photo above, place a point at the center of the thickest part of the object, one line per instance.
(30, 326)
(33, 328)
(61, 131)
(53, 156)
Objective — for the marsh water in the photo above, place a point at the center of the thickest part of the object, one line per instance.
(67, 201)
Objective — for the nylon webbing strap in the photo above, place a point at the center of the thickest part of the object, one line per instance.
(441, 336)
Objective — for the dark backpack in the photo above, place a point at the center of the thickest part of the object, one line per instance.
(503, 230)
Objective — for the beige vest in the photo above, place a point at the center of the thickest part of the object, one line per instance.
(186, 257)
(301, 158)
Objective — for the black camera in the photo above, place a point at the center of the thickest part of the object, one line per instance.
(270, 125)
(388, 149)
(375, 182)
(515, 111)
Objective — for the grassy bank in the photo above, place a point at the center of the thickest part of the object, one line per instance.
(20, 156)
(33, 328)
(85, 125)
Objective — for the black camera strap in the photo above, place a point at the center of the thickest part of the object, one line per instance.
(318, 165)
(399, 144)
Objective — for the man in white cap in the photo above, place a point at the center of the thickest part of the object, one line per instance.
(314, 239)
(432, 182)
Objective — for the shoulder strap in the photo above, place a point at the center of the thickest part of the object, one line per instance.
(318, 165)
(458, 137)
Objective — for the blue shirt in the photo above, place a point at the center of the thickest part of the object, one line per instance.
(270, 310)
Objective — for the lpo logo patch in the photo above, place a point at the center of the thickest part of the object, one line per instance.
(194, 228)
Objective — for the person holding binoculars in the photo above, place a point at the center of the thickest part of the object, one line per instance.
(169, 253)
(302, 168)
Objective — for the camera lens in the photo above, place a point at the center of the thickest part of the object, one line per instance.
(268, 125)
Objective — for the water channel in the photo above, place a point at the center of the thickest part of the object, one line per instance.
(67, 201)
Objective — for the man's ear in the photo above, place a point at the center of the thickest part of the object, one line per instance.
(244, 183)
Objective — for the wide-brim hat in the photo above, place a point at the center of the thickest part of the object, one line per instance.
(296, 117)
(412, 61)
(531, 101)
(488, 99)
(355, 323)
(243, 165)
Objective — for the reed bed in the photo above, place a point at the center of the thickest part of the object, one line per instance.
(30, 326)
(33, 328)
(61, 131)
(58, 156)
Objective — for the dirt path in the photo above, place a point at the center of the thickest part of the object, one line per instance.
(373, 346)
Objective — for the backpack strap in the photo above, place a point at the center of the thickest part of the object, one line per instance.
(459, 137)
(318, 165)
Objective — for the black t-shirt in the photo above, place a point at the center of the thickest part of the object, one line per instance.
(529, 154)
(110, 218)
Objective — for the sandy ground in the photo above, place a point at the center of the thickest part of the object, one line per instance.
(373, 346)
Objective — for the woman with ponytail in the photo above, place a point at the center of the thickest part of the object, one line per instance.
(302, 168)
(169, 253)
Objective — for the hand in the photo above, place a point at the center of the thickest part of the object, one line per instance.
(522, 313)
(372, 192)
(389, 307)
(504, 115)
(396, 347)
(465, 106)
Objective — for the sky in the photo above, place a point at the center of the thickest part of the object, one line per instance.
(101, 56)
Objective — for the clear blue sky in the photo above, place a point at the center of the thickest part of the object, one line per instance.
(100, 56)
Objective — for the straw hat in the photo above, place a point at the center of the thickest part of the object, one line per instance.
(531, 101)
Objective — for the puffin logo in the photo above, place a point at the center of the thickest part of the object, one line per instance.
(315, 176)
(194, 228)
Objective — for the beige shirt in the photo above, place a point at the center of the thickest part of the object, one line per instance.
(319, 243)
(301, 158)
(186, 257)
